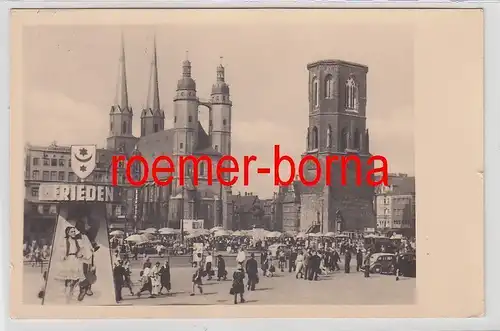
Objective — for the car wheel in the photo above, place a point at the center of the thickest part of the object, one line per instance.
(376, 270)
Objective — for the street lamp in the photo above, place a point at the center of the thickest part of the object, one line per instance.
(136, 174)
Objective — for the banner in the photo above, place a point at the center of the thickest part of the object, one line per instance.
(80, 270)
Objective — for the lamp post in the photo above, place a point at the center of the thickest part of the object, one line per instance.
(136, 173)
(322, 215)
(181, 219)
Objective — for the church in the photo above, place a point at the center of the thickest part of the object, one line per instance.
(166, 206)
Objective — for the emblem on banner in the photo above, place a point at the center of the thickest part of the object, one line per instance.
(83, 160)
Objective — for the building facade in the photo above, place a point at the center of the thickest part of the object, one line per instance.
(395, 205)
(337, 127)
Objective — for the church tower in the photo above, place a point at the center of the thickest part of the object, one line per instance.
(152, 117)
(120, 136)
(221, 114)
(337, 127)
(185, 113)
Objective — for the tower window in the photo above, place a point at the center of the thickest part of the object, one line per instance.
(351, 94)
(190, 118)
(111, 126)
(315, 92)
(216, 147)
(155, 127)
(124, 127)
(202, 169)
(224, 122)
(314, 138)
(181, 145)
(343, 140)
(329, 137)
(329, 87)
(175, 119)
(143, 131)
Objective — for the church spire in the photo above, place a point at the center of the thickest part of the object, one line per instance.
(153, 101)
(121, 90)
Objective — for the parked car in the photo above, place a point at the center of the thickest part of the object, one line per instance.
(382, 263)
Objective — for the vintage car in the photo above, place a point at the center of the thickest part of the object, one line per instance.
(382, 263)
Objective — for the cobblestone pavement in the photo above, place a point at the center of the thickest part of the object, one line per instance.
(334, 289)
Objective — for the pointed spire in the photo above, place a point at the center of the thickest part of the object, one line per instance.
(121, 90)
(220, 71)
(153, 101)
(186, 66)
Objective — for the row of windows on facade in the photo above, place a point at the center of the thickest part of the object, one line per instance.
(351, 98)
(344, 138)
(61, 176)
(53, 162)
(124, 127)
(395, 212)
(387, 224)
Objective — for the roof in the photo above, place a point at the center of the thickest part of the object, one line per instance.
(337, 62)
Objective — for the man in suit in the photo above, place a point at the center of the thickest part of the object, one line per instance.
(252, 269)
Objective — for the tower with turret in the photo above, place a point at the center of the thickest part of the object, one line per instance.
(152, 116)
(185, 113)
(221, 114)
(120, 137)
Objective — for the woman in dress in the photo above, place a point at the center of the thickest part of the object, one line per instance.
(71, 267)
(238, 286)
(208, 266)
(221, 268)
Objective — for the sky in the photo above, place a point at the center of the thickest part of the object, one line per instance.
(70, 77)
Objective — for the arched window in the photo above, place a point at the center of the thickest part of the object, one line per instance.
(329, 137)
(329, 87)
(155, 127)
(351, 94)
(202, 169)
(124, 127)
(110, 126)
(356, 139)
(315, 92)
(343, 140)
(314, 138)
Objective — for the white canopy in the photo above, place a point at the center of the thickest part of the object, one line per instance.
(137, 238)
(222, 233)
(117, 233)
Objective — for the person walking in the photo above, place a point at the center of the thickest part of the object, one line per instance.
(252, 269)
(238, 286)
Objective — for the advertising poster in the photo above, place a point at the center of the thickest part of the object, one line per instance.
(80, 270)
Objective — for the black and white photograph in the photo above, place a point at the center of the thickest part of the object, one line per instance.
(92, 93)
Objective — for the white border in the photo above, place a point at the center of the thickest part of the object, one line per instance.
(492, 184)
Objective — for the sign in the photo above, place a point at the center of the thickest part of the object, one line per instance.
(76, 192)
(83, 160)
(193, 225)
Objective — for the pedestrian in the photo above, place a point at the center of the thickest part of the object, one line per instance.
(238, 286)
(367, 264)
(307, 257)
(221, 268)
(299, 264)
(128, 273)
(146, 284)
(397, 264)
(347, 260)
(292, 266)
(264, 263)
(208, 266)
(119, 279)
(252, 270)
(165, 277)
(359, 259)
(197, 280)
